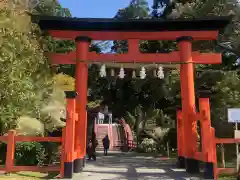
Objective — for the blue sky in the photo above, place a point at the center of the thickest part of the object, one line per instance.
(95, 8)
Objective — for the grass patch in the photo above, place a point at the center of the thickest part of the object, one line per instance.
(227, 177)
(26, 176)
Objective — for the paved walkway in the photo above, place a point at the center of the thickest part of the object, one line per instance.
(131, 166)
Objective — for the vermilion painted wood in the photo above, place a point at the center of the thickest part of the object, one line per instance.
(63, 157)
(180, 134)
(188, 98)
(3, 138)
(70, 128)
(112, 30)
(205, 120)
(161, 58)
(226, 141)
(226, 171)
(10, 150)
(81, 86)
(11, 139)
(2, 168)
(35, 168)
(213, 152)
(108, 35)
(37, 139)
(201, 156)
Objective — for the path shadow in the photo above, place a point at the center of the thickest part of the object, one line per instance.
(132, 166)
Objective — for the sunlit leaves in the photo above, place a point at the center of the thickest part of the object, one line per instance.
(64, 82)
(24, 72)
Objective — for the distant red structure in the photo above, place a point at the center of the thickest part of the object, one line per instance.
(120, 134)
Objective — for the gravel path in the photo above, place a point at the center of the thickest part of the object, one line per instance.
(131, 166)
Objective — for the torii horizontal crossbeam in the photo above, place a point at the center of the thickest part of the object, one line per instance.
(119, 29)
(160, 58)
(162, 35)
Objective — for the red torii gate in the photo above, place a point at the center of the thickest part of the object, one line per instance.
(182, 31)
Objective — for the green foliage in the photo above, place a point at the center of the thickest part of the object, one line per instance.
(64, 82)
(25, 76)
(29, 153)
(28, 92)
(227, 96)
(147, 146)
(228, 40)
(51, 8)
(3, 153)
(152, 124)
(221, 86)
(130, 119)
(136, 9)
(149, 100)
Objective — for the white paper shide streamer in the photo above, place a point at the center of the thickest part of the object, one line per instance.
(121, 73)
(143, 73)
(103, 72)
(160, 73)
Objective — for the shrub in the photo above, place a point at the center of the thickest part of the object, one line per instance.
(3, 150)
(147, 145)
(26, 153)
(29, 153)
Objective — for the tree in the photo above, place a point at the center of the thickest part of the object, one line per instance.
(228, 41)
(128, 94)
(139, 101)
(38, 85)
(218, 80)
(26, 78)
(151, 92)
(137, 9)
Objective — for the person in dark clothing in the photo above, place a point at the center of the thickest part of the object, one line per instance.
(95, 144)
(91, 148)
(106, 143)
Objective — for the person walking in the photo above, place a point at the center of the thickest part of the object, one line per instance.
(106, 143)
(94, 145)
(91, 148)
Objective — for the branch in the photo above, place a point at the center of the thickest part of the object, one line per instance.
(227, 48)
(157, 140)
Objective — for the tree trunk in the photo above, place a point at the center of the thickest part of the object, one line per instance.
(138, 120)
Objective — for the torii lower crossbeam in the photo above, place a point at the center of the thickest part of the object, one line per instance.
(163, 58)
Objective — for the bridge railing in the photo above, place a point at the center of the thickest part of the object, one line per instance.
(208, 152)
(224, 170)
(12, 138)
(130, 144)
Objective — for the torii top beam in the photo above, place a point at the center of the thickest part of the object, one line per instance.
(133, 30)
(142, 29)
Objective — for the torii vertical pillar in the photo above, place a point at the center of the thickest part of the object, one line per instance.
(188, 103)
(69, 135)
(81, 86)
(180, 139)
